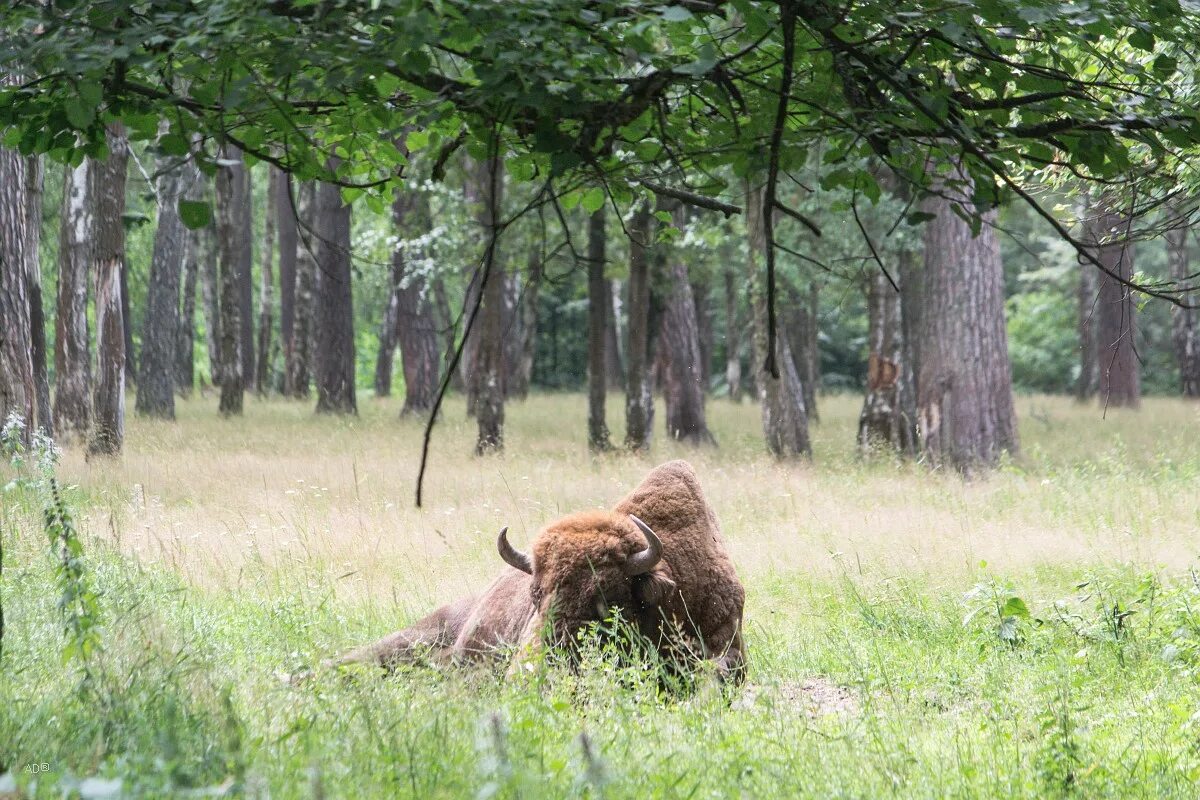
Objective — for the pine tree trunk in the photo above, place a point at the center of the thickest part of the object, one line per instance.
(299, 367)
(18, 394)
(683, 373)
(334, 351)
(489, 409)
(208, 253)
(266, 294)
(108, 430)
(784, 417)
(639, 402)
(964, 388)
(1089, 365)
(388, 332)
(522, 373)
(417, 333)
(446, 322)
(1185, 322)
(882, 422)
(197, 252)
(160, 324)
(285, 223)
(704, 330)
(733, 339)
(37, 315)
(599, 301)
(72, 347)
(1119, 371)
(128, 323)
(230, 230)
(245, 231)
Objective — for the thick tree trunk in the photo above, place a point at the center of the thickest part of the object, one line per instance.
(198, 252)
(964, 388)
(266, 294)
(230, 230)
(17, 390)
(72, 348)
(489, 410)
(335, 306)
(285, 223)
(1119, 371)
(784, 417)
(108, 430)
(733, 339)
(639, 402)
(160, 324)
(1185, 322)
(1089, 365)
(599, 302)
(37, 315)
(882, 422)
(301, 344)
(245, 255)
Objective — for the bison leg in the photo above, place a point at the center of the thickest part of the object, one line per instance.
(428, 639)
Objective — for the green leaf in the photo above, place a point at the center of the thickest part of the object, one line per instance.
(173, 144)
(417, 140)
(195, 213)
(593, 200)
(676, 14)
(1015, 607)
(80, 115)
(1165, 65)
(1142, 40)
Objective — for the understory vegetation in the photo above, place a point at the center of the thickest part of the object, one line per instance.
(1032, 634)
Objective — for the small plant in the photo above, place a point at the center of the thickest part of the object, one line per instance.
(998, 601)
(77, 601)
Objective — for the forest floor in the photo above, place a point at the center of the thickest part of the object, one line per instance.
(1034, 633)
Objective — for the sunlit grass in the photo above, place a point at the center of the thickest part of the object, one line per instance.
(227, 551)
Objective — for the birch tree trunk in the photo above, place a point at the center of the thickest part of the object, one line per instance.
(108, 430)
(244, 220)
(612, 348)
(72, 345)
(334, 352)
(266, 294)
(197, 251)
(964, 388)
(521, 373)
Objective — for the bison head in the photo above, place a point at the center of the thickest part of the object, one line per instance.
(584, 566)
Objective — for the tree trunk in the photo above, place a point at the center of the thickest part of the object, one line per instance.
(1119, 371)
(639, 403)
(160, 324)
(335, 305)
(882, 422)
(1089, 364)
(964, 388)
(197, 251)
(387, 330)
(784, 417)
(285, 223)
(449, 329)
(108, 431)
(230, 230)
(612, 349)
(599, 302)
(266, 295)
(17, 390)
(245, 255)
(128, 323)
(704, 330)
(1185, 322)
(417, 333)
(520, 377)
(489, 410)
(683, 373)
(37, 315)
(733, 339)
(72, 348)
(301, 345)
(208, 252)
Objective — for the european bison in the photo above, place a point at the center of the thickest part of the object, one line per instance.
(658, 557)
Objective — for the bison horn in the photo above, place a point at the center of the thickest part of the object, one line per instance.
(511, 555)
(643, 561)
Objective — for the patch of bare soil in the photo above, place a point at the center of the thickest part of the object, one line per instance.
(816, 696)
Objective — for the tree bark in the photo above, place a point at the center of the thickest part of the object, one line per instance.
(883, 422)
(520, 376)
(300, 348)
(784, 417)
(17, 390)
(612, 348)
(334, 305)
(1185, 322)
(1089, 364)
(639, 403)
(1119, 371)
(285, 223)
(72, 347)
(208, 251)
(230, 231)
(489, 410)
(245, 230)
(128, 323)
(599, 301)
(197, 251)
(417, 332)
(682, 360)
(108, 431)
(964, 388)
(387, 330)
(266, 295)
(733, 339)
(160, 324)
(37, 315)
(704, 330)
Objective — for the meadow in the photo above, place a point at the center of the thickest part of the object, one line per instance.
(1034, 633)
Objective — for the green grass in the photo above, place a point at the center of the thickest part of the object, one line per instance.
(865, 680)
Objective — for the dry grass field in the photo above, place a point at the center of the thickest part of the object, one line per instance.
(890, 653)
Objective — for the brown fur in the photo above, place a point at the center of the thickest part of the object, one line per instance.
(689, 606)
